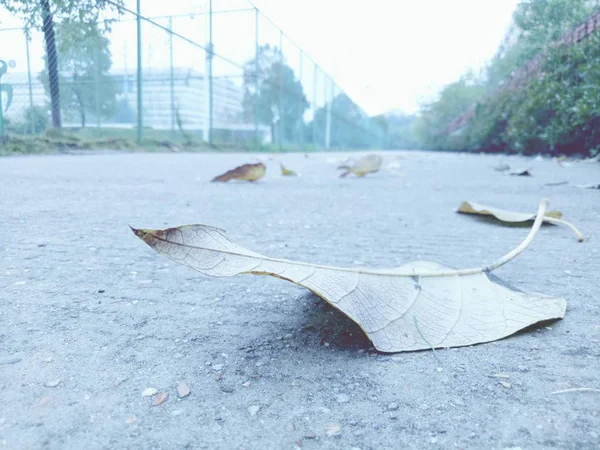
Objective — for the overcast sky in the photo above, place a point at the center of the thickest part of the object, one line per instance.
(386, 54)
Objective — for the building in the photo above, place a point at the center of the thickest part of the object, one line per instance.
(170, 101)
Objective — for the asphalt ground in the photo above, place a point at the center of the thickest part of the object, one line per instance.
(90, 317)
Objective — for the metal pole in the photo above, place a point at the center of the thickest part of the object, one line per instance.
(31, 116)
(280, 99)
(301, 122)
(97, 85)
(256, 80)
(140, 121)
(328, 118)
(206, 124)
(210, 75)
(172, 77)
(314, 130)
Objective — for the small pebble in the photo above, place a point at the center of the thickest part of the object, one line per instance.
(183, 390)
(52, 383)
(393, 416)
(160, 399)
(392, 406)
(246, 384)
(333, 429)
(523, 368)
(217, 366)
(310, 435)
(342, 398)
(253, 410)
(149, 392)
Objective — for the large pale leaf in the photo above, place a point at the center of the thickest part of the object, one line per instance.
(419, 305)
(552, 217)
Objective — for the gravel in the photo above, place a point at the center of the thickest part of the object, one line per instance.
(85, 302)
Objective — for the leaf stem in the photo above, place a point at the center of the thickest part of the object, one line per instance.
(556, 221)
(539, 218)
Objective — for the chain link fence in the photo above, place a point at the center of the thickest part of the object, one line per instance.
(227, 78)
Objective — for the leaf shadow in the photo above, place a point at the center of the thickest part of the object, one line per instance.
(322, 324)
(494, 221)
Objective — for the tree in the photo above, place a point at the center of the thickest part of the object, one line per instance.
(39, 14)
(350, 126)
(85, 61)
(544, 21)
(279, 97)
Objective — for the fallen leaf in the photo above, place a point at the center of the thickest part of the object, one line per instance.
(366, 164)
(247, 172)
(160, 399)
(420, 305)
(552, 217)
(287, 172)
(183, 390)
(522, 173)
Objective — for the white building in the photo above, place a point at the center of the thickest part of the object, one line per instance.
(165, 101)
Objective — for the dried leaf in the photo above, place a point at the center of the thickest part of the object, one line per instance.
(160, 399)
(287, 172)
(247, 172)
(420, 305)
(366, 164)
(552, 217)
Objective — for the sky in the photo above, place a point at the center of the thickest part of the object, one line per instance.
(385, 54)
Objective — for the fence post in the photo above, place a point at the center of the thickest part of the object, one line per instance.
(280, 99)
(140, 111)
(301, 122)
(205, 123)
(210, 75)
(171, 76)
(31, 115)
(329, 100)
(314, 128)
(97, 85)
(256, 80)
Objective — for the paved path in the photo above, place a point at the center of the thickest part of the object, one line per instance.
(90, 316)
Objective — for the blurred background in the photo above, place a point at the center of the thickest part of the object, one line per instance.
(505, 76)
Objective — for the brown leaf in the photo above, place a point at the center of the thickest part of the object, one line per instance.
(247, 172)
(160, 398)
(420, 305)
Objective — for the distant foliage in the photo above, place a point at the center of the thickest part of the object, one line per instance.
(556, 112)
(84, 61)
